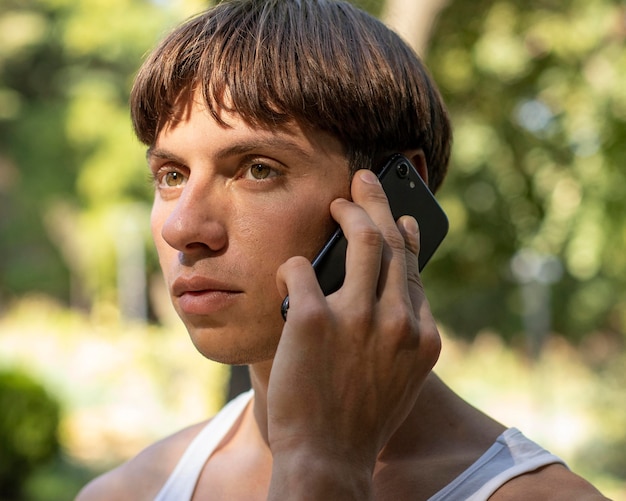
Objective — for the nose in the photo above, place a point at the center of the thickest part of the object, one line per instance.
(196, 225)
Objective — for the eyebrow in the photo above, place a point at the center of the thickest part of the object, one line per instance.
(239, 148)
(162, 154)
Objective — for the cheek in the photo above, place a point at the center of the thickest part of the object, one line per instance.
(307, 224)
(304, 229)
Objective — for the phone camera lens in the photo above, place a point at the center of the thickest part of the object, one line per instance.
(402, 170)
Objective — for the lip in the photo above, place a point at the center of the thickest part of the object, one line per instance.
(200, 295)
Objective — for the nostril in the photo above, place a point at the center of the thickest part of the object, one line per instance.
(196, 239)
(192, 254)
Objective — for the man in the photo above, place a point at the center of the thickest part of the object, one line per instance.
(260, 118)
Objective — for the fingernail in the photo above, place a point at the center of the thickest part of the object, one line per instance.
(367, 176)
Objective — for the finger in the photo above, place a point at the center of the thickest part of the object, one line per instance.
(296, 278)
(410, 231)
(371, 196)
(363, 253)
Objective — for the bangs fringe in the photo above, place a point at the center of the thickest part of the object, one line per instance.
(323, 64)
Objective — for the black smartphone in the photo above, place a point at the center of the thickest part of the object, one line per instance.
(408, 195)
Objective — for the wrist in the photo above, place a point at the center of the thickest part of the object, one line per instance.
(302, 473)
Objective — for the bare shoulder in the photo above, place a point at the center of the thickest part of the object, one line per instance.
(142, 476)
(553, 482)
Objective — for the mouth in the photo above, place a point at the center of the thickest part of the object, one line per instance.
(203, 296)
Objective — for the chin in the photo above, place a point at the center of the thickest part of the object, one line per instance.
(233, 348)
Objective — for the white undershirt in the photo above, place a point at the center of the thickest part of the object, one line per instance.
(510, 456)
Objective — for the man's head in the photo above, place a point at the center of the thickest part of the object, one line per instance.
(321, 63)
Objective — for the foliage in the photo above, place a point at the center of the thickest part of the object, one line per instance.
(71, 171)
(538, 101)
(374, 7)
(28, 430)
(111, 374)
(121, 386)
(539, 118)
(537, 96)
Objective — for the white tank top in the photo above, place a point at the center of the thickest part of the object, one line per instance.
(511, 455)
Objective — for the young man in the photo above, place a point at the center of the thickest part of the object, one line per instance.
(260, 117)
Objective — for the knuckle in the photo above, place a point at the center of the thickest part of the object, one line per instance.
(358, 318)
(404, 330)
(414, 280)
(369, 236)
(313, 312)
(433, 346)
(429, 348)
(395, 240)
(429, 339)
(399, 324)
(377, 196)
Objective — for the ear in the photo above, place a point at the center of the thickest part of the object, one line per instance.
(418, 159)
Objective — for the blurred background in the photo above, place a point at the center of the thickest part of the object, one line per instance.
(529, 287)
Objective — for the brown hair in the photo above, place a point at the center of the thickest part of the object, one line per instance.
(323, 63)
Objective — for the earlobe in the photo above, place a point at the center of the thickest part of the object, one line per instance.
(418, 159)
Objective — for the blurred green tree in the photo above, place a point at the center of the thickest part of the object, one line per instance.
(538, 99)
(536, 95)
(71, 172)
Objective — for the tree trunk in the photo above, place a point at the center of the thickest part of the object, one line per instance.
(413, 20)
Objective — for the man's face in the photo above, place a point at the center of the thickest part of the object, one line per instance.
(231, 205)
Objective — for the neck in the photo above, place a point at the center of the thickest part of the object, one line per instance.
(441, 420)
(437, 408)
(259, 378)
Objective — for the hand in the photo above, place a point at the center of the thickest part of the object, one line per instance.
(349, 367)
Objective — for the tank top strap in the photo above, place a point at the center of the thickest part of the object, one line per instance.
(182, 482)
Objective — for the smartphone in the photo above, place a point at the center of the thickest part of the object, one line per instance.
(408, 195)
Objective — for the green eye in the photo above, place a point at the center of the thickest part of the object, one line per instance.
(260, 171)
